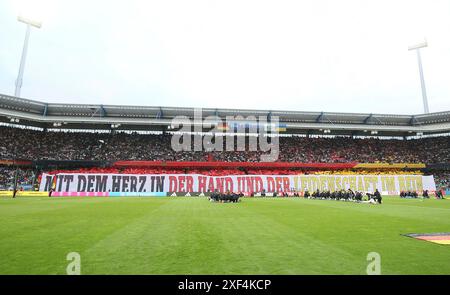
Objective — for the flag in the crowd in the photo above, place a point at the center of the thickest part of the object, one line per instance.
(275, 127)
(281, 128)
(223, 127)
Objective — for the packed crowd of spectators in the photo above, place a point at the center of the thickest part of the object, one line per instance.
(442, 179)
(7, 174)
(37, 145)
(28, 144)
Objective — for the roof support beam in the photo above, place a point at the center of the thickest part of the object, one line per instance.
(367, 120)
(45, 110)
(413, 121)
(102, 111)
(320, 118)
(160, 113)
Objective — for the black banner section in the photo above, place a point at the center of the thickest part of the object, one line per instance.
(226, 284)
(63, 164)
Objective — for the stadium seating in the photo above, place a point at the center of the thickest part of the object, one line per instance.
(320, 153)
(34, 145)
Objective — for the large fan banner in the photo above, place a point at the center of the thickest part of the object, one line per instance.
(164, 183)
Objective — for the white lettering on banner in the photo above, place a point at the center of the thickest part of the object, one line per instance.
(141, 183)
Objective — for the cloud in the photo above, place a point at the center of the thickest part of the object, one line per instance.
(306, 55)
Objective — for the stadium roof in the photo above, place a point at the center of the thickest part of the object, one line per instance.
(157, 118)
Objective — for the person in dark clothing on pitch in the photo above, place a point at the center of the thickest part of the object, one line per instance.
(316, 194)
(215, 196)
(351, 194)
(235, 197)
(333, 195)
(377, 196)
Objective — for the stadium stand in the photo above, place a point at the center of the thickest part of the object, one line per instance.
(33, 145)
(24, 177)
(137, 140)
(37, 145)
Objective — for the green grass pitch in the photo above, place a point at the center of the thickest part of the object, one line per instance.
(190, 235)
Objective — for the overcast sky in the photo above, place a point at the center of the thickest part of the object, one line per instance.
(314, 55)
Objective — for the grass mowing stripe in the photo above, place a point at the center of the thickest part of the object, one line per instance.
(193, 236)
(40, 241)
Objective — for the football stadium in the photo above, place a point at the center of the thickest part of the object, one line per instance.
(104, 181)
(194, 139)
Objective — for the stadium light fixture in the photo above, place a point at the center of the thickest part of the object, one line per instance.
(30, 23)
(417, 48)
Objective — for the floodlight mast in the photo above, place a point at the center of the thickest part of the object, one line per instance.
(417, 48)
(29, 23)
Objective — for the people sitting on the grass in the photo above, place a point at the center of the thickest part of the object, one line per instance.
(228, 197)
(315, 194)
(339, 195)
(306, 194)
(345, 195)
(214, 196)
(370, 198)
(409, 194)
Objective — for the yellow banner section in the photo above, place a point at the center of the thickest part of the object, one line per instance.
(364, 183)
(24, 194)
(390, 166)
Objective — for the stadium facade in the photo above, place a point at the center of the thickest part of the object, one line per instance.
(42, 116)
